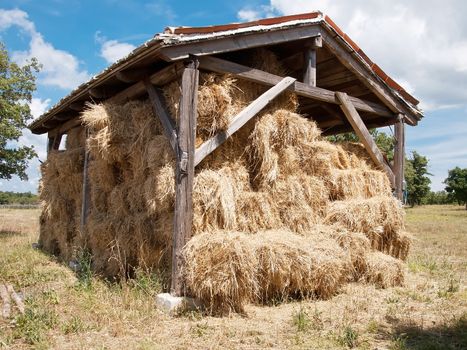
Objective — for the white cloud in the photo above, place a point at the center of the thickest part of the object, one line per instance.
(38, 106)
(248, 15)
(421, 42)
(113, 50)
(59, 67)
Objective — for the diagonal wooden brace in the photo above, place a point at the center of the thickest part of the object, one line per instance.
(363, 134)
(241, 119)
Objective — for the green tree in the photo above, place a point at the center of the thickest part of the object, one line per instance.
(383, 140)
(416, 177)
(457, 184)
(16, 87)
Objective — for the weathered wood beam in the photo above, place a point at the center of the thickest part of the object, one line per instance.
(222, 66)
(63, 128)
(370, 124)
(103, 92)
(399, 156)
(76, 106)
(54, 141)
(185, 169)
(132, 75)
(309, 76)
(162, 77)
(86, 195)
(336, 79)
(229, 43)
(5, 296)
(351, 62)
(160, 110)
(241, 119)
(363, 134)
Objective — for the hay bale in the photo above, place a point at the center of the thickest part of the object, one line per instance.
(220, 269)
(383, 270)
(228, 269)
(271, 132)
(369, 216)
(357, 183)
(401, 245)
(291, 265)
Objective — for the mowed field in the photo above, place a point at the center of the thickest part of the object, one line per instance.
(69, 311)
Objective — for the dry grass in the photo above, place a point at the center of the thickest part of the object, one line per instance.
(66, 312)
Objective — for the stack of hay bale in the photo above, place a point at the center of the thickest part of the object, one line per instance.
(279, 211)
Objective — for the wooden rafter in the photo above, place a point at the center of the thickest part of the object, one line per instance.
(383, 92)
(363, 134)
(162, 77)
(229, 43)
(255, 75)
(241, 119)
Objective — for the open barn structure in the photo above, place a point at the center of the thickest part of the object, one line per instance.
(334, 80)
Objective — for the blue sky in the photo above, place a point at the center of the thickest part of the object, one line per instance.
(422, 44)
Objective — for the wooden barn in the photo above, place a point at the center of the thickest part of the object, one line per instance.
(336, 84)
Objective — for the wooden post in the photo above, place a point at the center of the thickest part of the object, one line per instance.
(183, 215)
(363, 134)
(54, 142)
(86, 189)
(309, 77)
(399, 156)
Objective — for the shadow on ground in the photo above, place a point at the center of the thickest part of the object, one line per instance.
(10, 233)
(443, 337)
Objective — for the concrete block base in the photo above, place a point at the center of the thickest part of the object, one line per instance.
(172, 305)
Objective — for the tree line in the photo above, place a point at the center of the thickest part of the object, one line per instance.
(18, 198)
(417, 189)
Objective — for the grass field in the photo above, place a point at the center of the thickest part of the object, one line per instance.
(69, 311)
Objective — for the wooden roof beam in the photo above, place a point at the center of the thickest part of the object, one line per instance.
(245, 41)
(382, 91)
(315, 93)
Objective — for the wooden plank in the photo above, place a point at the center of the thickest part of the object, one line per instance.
(86, 189)
(378, 88)
(132, 75)
(160, 111)
(63, 128)
(238, 42)
(16, 298)
(399, 156)
(54, 142)
(255, 75)
(162, 77)
(6, 308)
(363, 134)
(241, 119)
(185, 169)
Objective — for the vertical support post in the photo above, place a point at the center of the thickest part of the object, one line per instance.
(399, 156)
(183, 215)
(53, 142)
(309, 77)
(86, 189)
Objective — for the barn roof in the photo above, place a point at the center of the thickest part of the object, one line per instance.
(177, 43)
